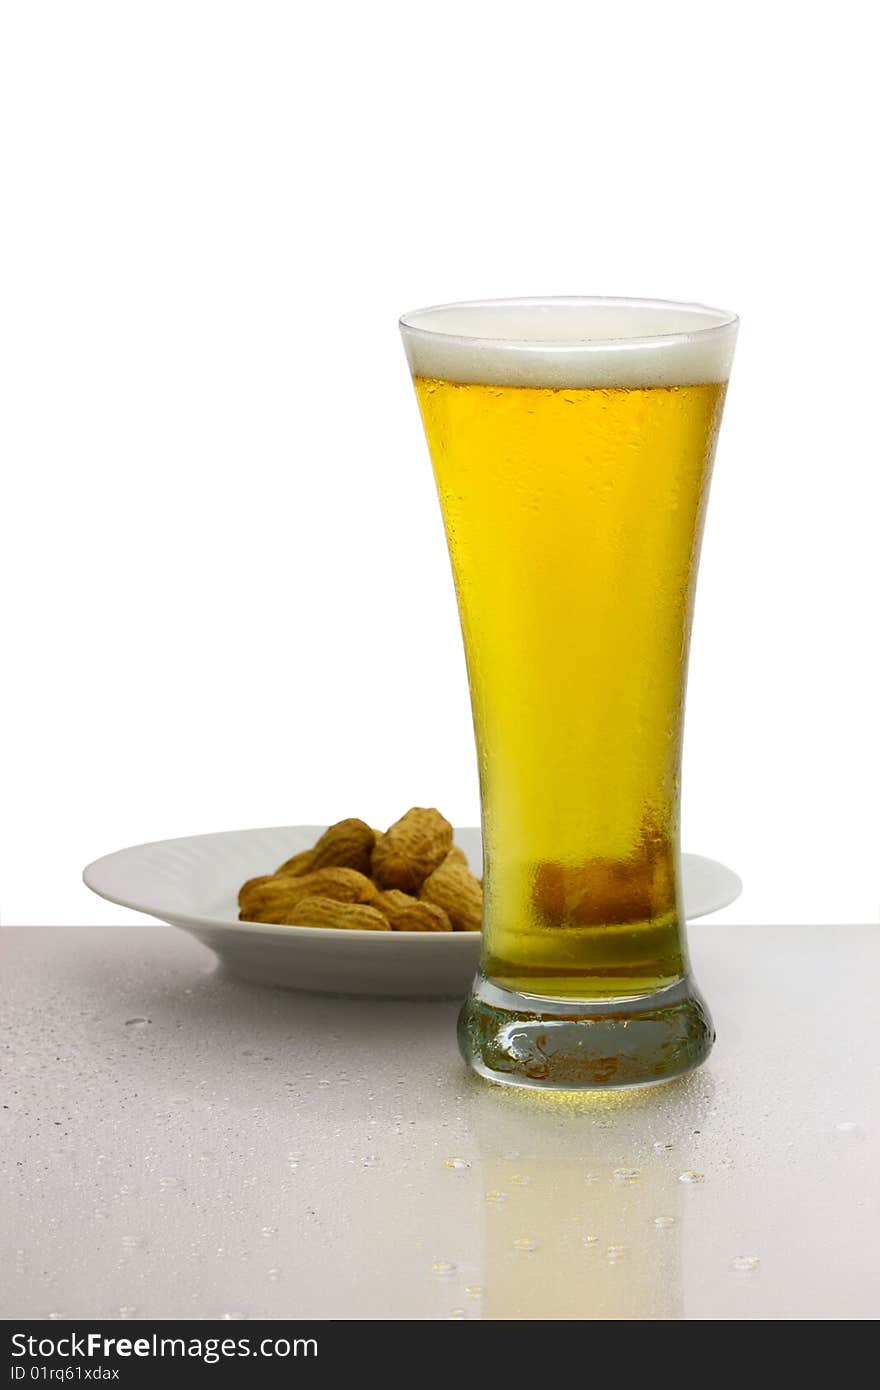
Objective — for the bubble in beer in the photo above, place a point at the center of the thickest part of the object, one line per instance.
(626, 1175)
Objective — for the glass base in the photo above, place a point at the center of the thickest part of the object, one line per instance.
(572, 1045)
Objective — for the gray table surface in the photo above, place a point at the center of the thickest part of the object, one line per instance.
(179, 1144)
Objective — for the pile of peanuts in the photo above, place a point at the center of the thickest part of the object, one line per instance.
(409, 878)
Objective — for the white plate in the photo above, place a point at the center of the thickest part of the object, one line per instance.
(193, 883)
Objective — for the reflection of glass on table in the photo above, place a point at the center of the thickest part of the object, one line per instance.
(584, 1204)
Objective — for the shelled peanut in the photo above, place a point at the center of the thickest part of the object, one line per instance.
(410, 877)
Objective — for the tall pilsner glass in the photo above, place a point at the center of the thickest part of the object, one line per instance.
(572, 442)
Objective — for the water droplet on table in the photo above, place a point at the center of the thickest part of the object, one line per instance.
(745, 1264)
(591, 1240)
(520, 1179)
(457, 1163)
(495, 1194)
(371, 1161)
(661, 1145)
(474, 1290)
(443, 1267)
(691, 1175)
(458, 1315)
(127, 1311)
(614, 1253)
(664, 1222)
(268, 1231)
(525, 1244)
(233, 1317)
(137, 1022)
(626, 1175)
(273, 1274)
(847, 1127)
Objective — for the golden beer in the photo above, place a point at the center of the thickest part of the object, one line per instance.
(572, 460)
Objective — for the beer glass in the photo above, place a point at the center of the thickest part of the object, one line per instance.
(572, 442)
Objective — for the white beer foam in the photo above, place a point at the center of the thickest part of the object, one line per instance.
(571, 342)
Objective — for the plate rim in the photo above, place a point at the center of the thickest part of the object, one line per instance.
(276, 929)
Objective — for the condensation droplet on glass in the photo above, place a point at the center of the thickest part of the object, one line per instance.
(520, 1179)
(691, 1175)
(591, 1240)
(526, 1244)
(626, 1175)
(847, 1127)
(273, 1274)
(137, 1022)
(615, 1253)
(663, 1222)
(745, 1264)
(127, 1311)
(474, 1290)
(458, 1315)
(233, 1317)
(495, 1194)
(457, 1163)
(268, 1231)
(662, 1145)
(371, 1161)
(443, 1267)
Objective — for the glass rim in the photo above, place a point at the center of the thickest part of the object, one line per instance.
(720, 321)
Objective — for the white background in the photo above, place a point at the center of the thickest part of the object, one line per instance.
(226, 600)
